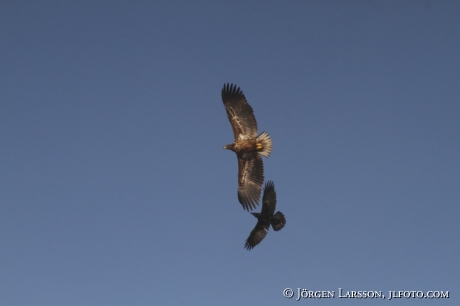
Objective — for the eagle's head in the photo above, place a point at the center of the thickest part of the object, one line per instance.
(229, 147)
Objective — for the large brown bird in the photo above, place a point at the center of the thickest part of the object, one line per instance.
(266, 217)
(247, 145)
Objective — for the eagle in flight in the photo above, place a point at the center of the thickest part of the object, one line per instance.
(247, 145)
(266, 217)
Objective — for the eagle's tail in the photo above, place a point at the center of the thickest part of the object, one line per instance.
(264, 144)
(278, 221)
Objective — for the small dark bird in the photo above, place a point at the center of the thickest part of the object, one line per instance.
(247, 145)
(266, 217)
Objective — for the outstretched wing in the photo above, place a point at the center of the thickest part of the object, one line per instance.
(250, 180)
(278, 221)
(269, 199)
(239, 112)
(257, 235)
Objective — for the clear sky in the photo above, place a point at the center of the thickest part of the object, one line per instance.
(115, 189)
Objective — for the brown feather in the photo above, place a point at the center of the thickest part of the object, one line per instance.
(239, 112)
(247, 145)
(250, 180)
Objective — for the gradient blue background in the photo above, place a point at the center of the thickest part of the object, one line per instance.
(115, 190)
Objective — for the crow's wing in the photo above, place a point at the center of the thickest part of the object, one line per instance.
(257, 235)
(269, 199)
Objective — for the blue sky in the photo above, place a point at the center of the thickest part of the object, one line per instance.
(115, 190)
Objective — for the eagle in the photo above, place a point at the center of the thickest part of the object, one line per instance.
(247, 145)
(266, 217)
